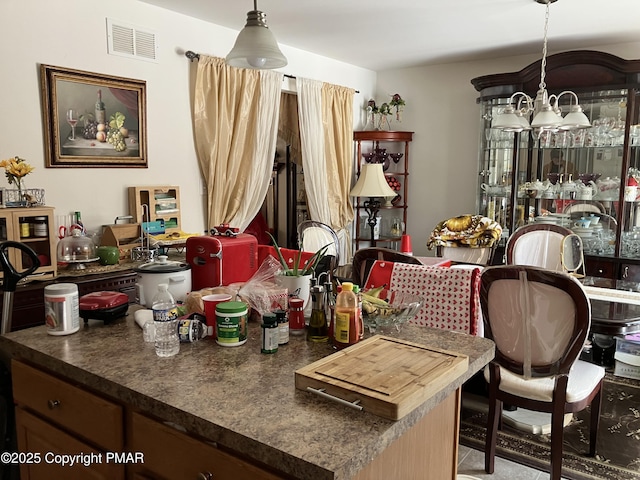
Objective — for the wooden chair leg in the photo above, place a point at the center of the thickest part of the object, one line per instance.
(495, 412)
(557, 432)
(595, 421)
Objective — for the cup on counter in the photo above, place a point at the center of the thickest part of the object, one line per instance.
(210, 303)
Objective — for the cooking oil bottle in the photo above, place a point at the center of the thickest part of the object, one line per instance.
(318, 327)
(346, 330)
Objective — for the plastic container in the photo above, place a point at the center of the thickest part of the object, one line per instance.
(347, 325)
(191, 330)
(231, 324)
(270, 333)
(62, 308)
(165, 318)
(40, 227)
(283, 326)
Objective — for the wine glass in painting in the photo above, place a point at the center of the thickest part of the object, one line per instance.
(72, 120)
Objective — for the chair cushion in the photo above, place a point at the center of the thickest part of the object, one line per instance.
(583, 378)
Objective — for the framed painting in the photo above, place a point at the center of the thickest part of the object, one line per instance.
(93, 120)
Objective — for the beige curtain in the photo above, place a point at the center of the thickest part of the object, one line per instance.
(337, 116)
(235, 128)
(326, 116)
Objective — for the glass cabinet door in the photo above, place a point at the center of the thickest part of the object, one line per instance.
(568, 177)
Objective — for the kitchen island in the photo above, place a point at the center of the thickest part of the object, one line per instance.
(245, 403)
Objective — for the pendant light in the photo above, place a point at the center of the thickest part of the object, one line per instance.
(547, 115)
(256, 47)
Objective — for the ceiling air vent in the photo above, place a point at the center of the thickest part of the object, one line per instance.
(130, 41)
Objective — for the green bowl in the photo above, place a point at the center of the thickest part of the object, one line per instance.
(108, 255)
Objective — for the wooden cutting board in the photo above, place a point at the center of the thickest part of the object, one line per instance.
(385, 376)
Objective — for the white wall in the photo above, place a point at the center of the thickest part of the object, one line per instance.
(442, 111)
(72, 34)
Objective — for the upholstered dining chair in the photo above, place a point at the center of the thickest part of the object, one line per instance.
(360, 257)
(312, 236)
(539, 320)
(538, 245)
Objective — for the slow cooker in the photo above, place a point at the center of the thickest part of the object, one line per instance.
(151, 274)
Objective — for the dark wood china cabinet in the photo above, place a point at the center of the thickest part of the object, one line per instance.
(559, 177)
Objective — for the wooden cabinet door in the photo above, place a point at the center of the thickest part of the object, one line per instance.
(173, 455)
(35, 436)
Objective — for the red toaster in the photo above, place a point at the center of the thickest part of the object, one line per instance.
(218, 260)
(103, 305)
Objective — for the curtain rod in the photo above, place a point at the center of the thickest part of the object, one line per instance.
(196, 56)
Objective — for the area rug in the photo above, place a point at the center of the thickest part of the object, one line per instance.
(618, 448)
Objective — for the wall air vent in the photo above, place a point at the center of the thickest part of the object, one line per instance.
(130, 41)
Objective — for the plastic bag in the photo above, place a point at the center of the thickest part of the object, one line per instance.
(261, 292)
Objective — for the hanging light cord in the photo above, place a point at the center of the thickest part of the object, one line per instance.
(543, 66)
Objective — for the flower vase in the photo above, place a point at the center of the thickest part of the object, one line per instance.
(20, 186)
(371, 122)
(383, 123)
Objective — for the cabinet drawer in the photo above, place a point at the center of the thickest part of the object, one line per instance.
(85, 414)
(599, 268)
(174, 455)
(35, 436)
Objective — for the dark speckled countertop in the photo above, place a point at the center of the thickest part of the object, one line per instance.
(237, 397)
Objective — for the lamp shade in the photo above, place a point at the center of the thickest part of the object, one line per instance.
(372, 182)
(546, 119)
(256, 47)
(575, 119)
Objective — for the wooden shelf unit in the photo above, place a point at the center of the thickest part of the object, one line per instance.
(389, 140)
(163, 202)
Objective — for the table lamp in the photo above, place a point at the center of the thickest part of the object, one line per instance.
(372, 184)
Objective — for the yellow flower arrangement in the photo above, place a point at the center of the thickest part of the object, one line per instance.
(15, 169)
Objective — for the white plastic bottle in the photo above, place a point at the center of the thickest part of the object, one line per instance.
(165, 318)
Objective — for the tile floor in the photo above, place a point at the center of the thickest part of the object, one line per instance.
(471, 462)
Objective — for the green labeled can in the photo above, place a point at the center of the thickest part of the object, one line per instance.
(231, 323)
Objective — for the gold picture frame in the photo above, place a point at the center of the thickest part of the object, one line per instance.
(76, 103)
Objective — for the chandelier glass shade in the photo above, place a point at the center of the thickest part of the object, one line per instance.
(256, 46)
(545, 108)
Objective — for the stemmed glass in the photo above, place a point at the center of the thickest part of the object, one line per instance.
(72, 120)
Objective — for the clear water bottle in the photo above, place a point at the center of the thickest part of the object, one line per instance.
(165, 318)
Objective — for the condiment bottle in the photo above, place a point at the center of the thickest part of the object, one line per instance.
(296, 316)
(318, 328)
(283, 327)
(347, 325)
(329, 307)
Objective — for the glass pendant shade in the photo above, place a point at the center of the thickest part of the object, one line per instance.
(372, 182)
(546, 119)
(256, 46)
(507, 120)
(575, 119)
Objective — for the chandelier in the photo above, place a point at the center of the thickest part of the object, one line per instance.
(547, 114)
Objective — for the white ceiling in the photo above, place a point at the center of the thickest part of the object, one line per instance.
(383, 34)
